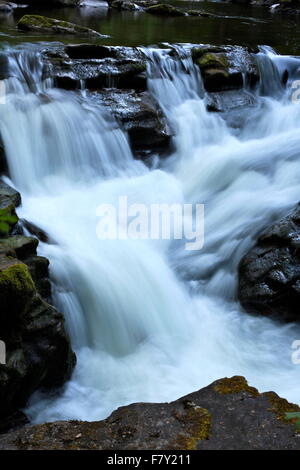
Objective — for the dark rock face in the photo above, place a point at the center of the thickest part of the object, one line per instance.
(228, 414)
(38, 351)
(269, 275)
(116, 77)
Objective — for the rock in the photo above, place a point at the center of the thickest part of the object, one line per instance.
(226, 415)
(39, 355)
(122, 5)
(224, 68)
(8, 196)
(9, 200)
(90, 51)
(38, 350)
(42, 24)
(269, 275)
(111, 67)
(141, 117)
(202, 13)
(36, 231)
(163, 9)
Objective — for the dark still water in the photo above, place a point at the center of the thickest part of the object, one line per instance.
(233, 24)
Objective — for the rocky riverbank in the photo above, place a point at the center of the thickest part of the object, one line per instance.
(228, 414)
(38, 350)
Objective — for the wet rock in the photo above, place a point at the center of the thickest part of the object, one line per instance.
(142, 118)
(38, 351)
(226, 415)
(42, 24)
(202, 13)
(269, 275)
(122, 5)
(226, 101)
(9, 200)
(111, 67)
(8, 196)
(36, 231)
(225, 68)
(90, 51)
(163, 9)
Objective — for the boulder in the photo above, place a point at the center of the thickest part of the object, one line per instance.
(225, 67)
(226, 415)
(163, 9)
(141, 117)
(269, 275)
(42, 24)
(38, 351)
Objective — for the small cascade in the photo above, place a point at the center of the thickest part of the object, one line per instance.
(149, 321)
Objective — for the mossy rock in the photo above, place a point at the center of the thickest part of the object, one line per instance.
(163, 9)
(213, 61)
(198, 52)
(234, 384)
(16, 288)
(42, 24)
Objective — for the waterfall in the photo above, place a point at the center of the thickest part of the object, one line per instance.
(150, 321)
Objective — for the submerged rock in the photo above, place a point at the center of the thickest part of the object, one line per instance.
(269, 275)
(42, 24)
(226, 415)
(163, 9)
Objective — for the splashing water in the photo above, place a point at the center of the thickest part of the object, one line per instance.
(150, 321)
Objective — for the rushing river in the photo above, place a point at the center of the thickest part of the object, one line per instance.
(150, 321)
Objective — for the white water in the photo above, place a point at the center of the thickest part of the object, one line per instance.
(148, 320)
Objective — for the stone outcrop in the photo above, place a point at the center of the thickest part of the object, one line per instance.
(269, 275)
(228, 414)
(115, 77)
(38, 350)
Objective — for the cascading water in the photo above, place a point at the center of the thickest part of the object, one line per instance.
(148, 320)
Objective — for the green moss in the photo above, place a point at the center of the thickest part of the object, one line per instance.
(234, 384)
(197, 424)
(198, 52)
(213, 61)
(42, 23)
(16, 286)
(280, 406)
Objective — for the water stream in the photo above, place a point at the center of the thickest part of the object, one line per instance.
(150, 321)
